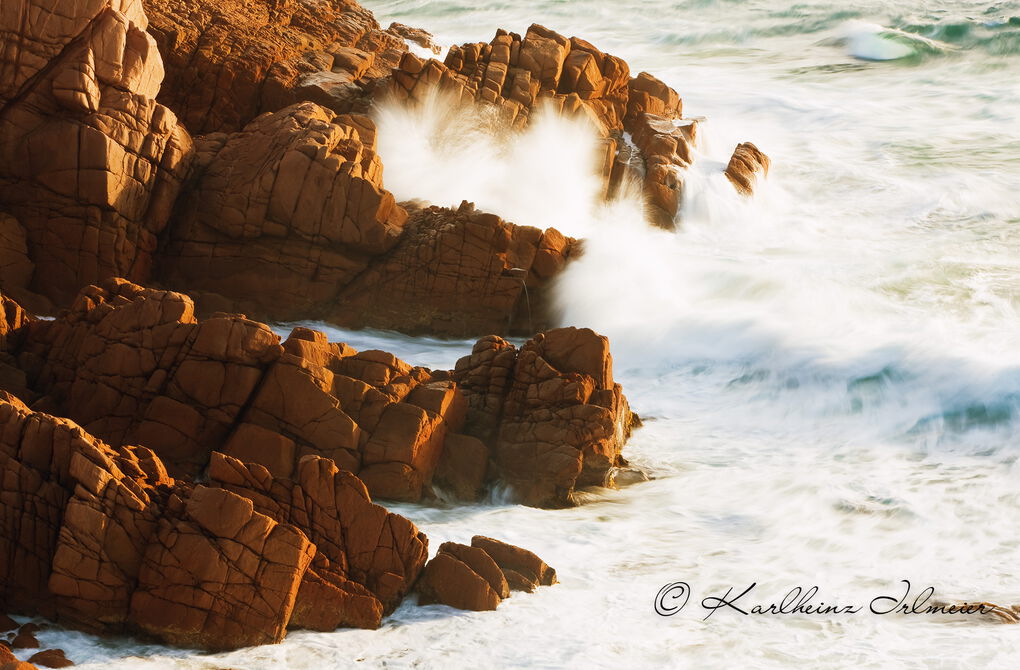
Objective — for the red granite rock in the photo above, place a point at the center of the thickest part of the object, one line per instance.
(458, 273)
(517, 562)
(551, 411)
(475, 577)
(229, 61)
(745, 166)
(90, 164)
(219, 575)
(284, 214)
(370, 555)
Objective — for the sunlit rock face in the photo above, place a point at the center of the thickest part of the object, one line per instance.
(90, 163)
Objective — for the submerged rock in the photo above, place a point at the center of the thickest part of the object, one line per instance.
(51, 658)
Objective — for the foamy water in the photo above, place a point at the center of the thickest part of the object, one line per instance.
(829, 373)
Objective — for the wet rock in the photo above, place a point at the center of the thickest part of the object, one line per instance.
(521, 566)
(745, 166)
(51, 658)
(518, 75)
(6, 655)
(474, 577)
(463, 467)
(7, 623)
(415, 35)
(24, 640)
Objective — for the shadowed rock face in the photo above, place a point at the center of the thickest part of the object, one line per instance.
(458, 273)
(551, 410)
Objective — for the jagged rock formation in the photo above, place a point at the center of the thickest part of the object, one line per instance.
(228, 62)
(517, 74)
(458, 272)
(134, 366)
(116, 534)
(287, 216)
(480, 576)
(104, 539)
(283, 215)
(551, 410)
(90, 164)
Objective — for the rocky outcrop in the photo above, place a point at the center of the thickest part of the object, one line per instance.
(745, 166)
(480, 576)
(90, 164)
(134, 366)
(458, 273)
(103, 539)
(284, 214)
(518, 74)
(551, 411)
(229, 61)
(278, 532)
(365, 559)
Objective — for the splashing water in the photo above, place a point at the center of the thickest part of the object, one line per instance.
(444, 153)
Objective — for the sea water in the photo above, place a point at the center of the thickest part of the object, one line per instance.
(828, 373)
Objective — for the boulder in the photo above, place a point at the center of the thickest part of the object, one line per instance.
(369, 556)
(475, 577)
(218, 575)
(523, 568)
(745, 166)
